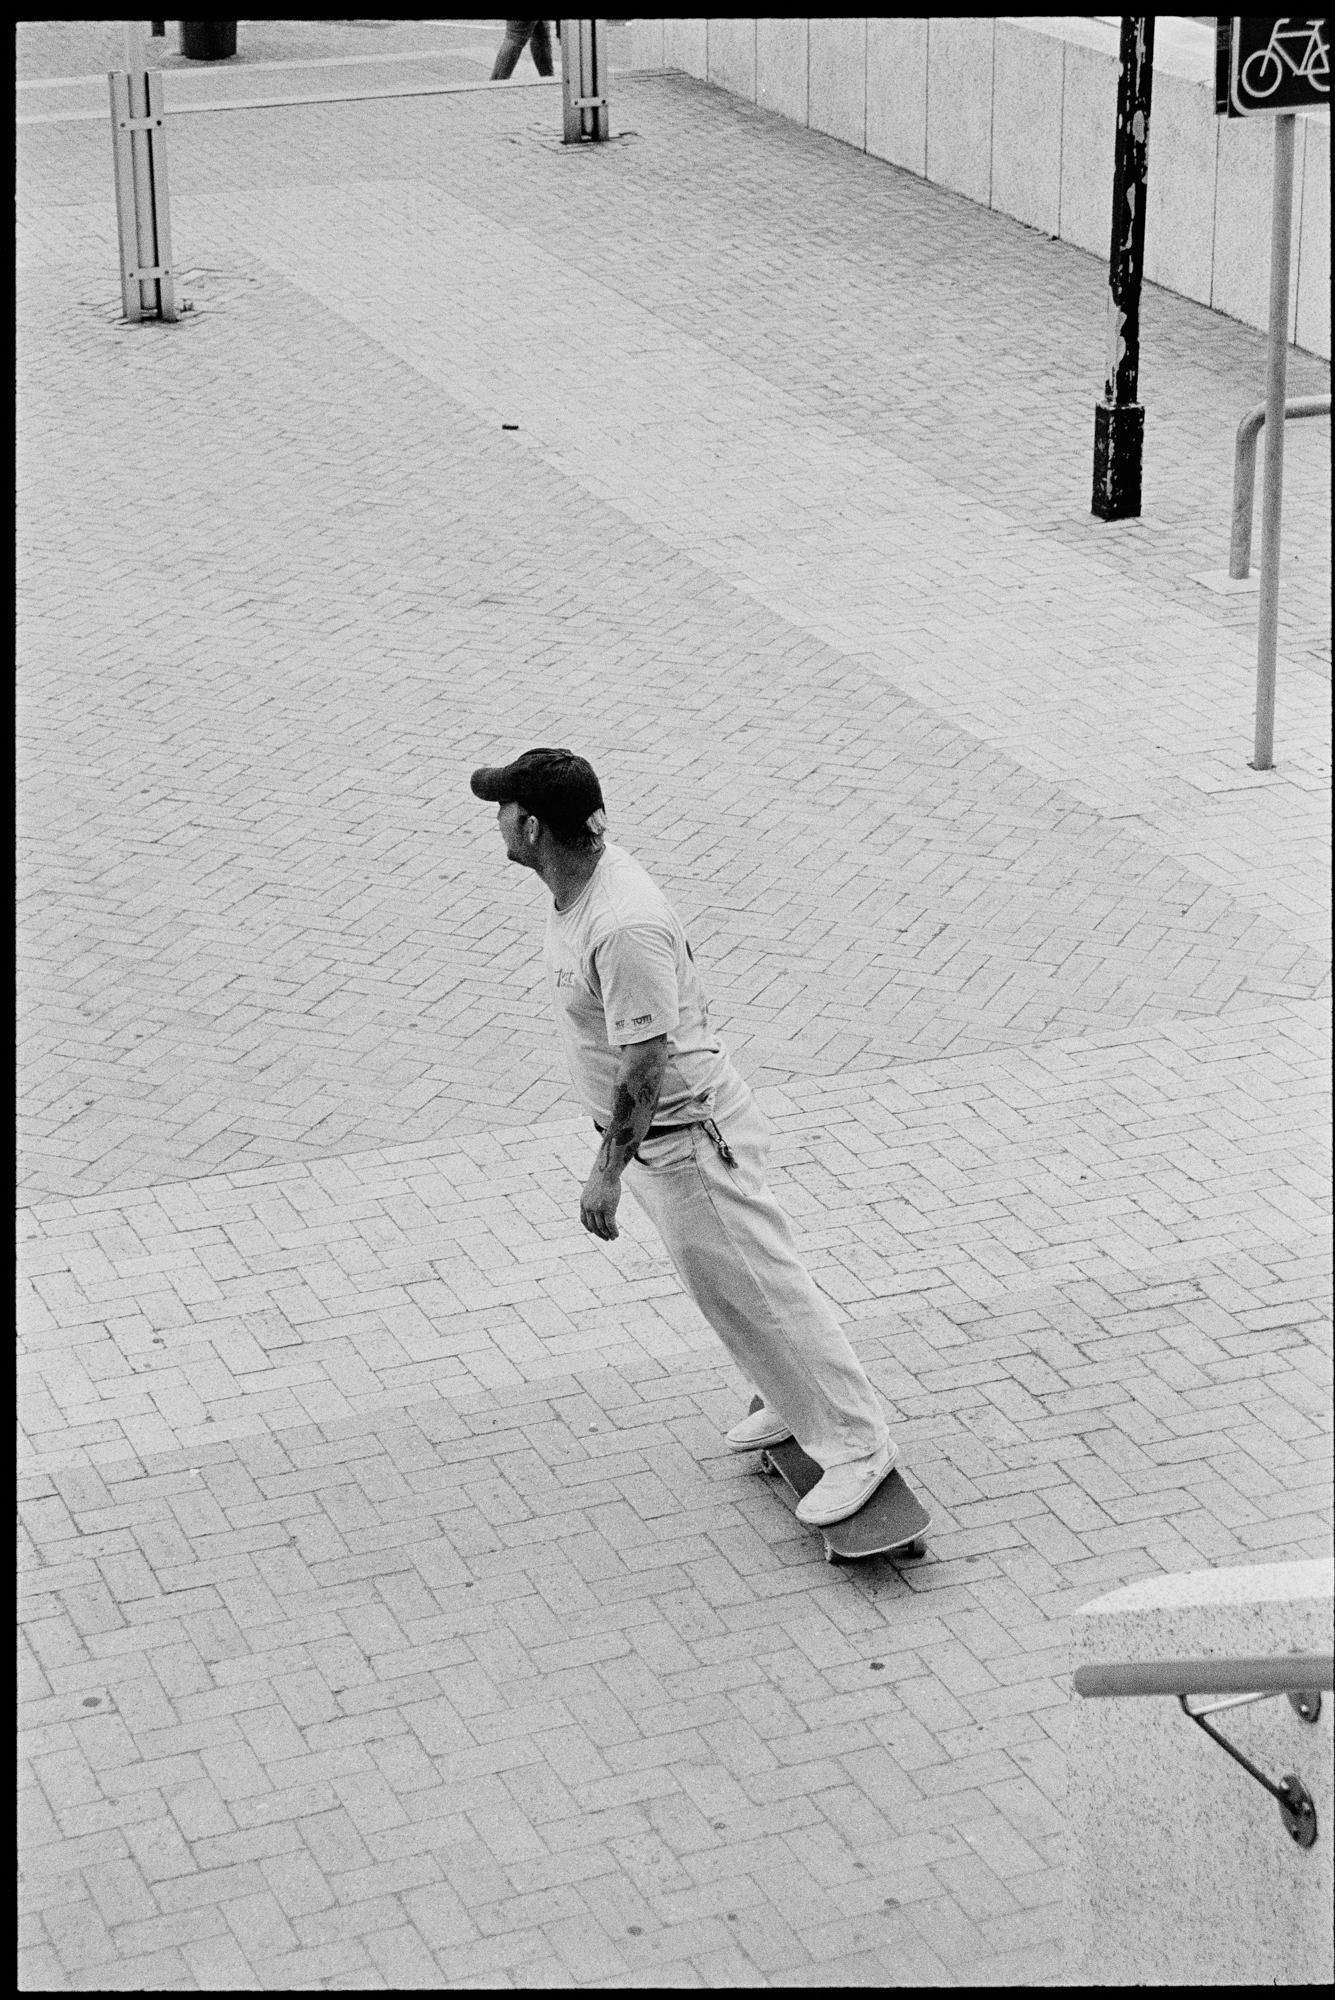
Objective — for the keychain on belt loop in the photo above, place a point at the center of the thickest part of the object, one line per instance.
(719, 1143)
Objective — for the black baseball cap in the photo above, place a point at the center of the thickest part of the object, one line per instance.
(556, 786)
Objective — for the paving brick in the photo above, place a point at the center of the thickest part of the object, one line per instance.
(160, 1851)
(39, 1970)
(439, 1917)
(404, 1960)
(260, 1927)
(158, 1971)
(159, 1933)
(78, 1934)
(220, 1964)
(345, 1922)
(315, 1964)
(120, 1892)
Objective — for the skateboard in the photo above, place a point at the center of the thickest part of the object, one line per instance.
(893, 1520)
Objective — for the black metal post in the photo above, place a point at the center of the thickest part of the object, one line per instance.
(1119, 420)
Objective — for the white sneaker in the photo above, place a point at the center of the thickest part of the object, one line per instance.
(845, 1488)
(762, 1427)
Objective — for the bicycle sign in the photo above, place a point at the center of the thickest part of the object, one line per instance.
(1271, 63)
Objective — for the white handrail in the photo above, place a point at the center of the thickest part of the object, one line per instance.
(1290, 1673)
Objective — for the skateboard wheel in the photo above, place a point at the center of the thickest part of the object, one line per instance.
(918, 1546)
(766, 1463)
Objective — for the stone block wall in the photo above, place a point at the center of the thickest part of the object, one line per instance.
(1017, 113)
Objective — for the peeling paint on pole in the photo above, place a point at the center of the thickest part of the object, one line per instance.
(1116, 343)
(1119, 420)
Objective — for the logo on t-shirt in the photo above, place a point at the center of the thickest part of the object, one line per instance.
(564, 975)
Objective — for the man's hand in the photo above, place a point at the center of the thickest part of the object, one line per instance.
(598, 1203)
(639, 1079)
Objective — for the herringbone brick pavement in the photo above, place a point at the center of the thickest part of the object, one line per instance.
(391, 1612)
(328, 880)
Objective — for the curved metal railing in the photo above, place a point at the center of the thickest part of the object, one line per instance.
(1290, 1673)
(1236, 1682)
(1244, 475)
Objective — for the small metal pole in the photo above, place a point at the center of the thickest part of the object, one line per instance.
(1267, 633)
(142, 160)
(598, 66)
(1244, 494)
(584, 80)
(1244, 475)
(139, 156)
(136, 66)
(162, 227)
(572, 79)
(1119, 420)
(123, 169)
(569, 85)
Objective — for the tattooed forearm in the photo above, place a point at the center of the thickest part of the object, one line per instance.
(639, 1080)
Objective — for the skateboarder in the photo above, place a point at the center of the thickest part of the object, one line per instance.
(681, 1127)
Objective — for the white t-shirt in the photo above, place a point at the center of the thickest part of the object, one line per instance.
(620, 971)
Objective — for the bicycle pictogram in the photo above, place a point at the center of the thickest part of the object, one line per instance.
(1265, 69)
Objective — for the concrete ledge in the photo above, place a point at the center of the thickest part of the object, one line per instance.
(1016, 112)
(1179, 1868)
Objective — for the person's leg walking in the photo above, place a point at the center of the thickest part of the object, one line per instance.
(508, 54)
(540, 47)
(732, 1246)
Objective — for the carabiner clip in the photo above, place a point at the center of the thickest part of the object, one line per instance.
(719, 1143)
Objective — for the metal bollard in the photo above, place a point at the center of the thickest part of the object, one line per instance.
(208, 41)
(139, 159)
(584, 80)
(1244, 475)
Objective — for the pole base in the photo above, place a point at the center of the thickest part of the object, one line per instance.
(208, 41)
(1119, 438)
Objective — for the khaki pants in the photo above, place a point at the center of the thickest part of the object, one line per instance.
(733, 1249)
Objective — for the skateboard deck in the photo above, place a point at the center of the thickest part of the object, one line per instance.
(893, 1519)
